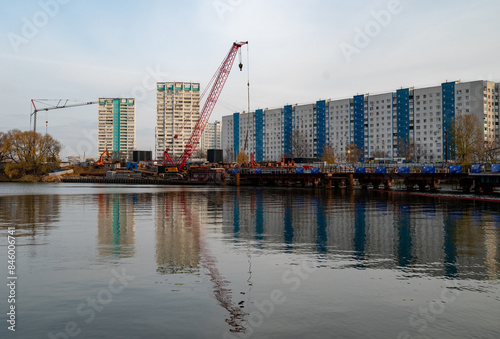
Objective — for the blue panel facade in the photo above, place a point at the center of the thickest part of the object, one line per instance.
(287, 128)
(320, 127)
(116, 124)
(448, 90)
(403, 119)
(359, 124)
(236, 134)
(259, 135)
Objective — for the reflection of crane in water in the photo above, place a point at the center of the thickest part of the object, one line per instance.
(222, 293)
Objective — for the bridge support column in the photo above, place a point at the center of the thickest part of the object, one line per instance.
(434, 185)
(350, 181)
(328, 183)
(421, 186)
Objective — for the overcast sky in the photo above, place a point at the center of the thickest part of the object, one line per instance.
(299, 52)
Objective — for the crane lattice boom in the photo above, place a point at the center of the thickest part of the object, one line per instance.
(62, 103)
(219, 79)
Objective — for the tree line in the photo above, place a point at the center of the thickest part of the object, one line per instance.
(28, 153)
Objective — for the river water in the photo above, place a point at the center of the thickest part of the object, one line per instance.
(115, 261)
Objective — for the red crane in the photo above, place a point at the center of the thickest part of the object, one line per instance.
(218, 80)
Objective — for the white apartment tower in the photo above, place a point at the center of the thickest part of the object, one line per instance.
(116, 127)
(177, 111)
(211, 137)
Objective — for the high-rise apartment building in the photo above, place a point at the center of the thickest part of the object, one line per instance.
(381, 125)
(116, 127)
(177, 111)
(211, 137)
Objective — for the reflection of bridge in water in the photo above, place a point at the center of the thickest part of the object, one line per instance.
(439, 238)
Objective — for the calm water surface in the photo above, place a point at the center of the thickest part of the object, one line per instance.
(177, 262)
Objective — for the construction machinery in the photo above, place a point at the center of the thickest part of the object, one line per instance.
(61, 103)
(215, 85)
(101, 159)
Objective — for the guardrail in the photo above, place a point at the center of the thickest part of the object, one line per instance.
(361, 168)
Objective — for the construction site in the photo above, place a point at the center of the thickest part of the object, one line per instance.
(181, 136)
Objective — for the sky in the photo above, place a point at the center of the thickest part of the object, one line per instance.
(298, 52)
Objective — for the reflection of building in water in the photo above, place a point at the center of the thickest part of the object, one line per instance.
(116, 224)
(435, 237)
(33, 215)
(178, 232)
(491, 242)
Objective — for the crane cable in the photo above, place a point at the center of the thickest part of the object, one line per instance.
(248, 98)
(248, 78)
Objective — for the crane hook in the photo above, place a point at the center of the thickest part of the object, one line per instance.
(241, 66)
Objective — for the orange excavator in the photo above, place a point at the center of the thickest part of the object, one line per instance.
(101, 162)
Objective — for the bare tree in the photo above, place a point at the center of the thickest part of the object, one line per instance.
(419, 153)
(467, 138)
(380, 154)
(229, 155)
(199, 153)
(328, 154)
(489, 152)
(353, 153)
(298, 144)
(5, 146)
(406, 149)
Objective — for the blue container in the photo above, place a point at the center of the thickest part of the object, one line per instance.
(314, 170)
(455, 169)
(299, 171)
(234, 171)
(381, 170)
(495, 168)
(132, 166)
(258, 171)
(428, 169)
(404, 170)
(360, 170)
(475, 169)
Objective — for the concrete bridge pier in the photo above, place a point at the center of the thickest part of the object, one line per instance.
(421, 185)
(350, 181)
(434, 185)
(328, 183)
